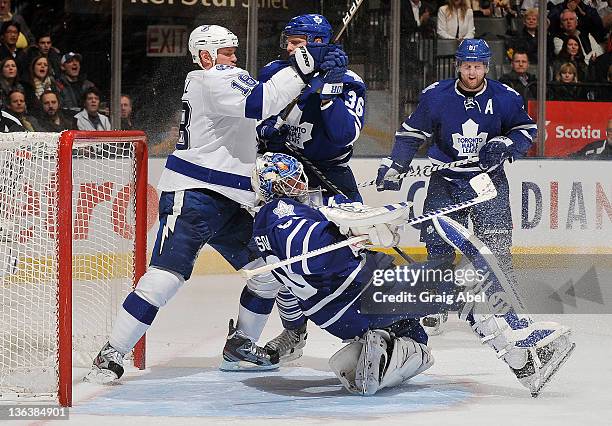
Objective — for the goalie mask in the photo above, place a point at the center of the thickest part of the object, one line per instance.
(210, 38)
(279, 175)
(312, 26)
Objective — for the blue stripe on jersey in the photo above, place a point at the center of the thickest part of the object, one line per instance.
(207, 175)
(254, 103)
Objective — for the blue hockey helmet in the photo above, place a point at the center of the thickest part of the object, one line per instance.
(473, 50)
(311, 25)
(279, 175)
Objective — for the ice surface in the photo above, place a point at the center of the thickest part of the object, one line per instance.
(467, 385)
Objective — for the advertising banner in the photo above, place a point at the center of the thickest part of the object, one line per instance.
(556, 204)
(572, 125)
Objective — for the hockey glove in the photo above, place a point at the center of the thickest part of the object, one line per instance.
(495, 152)
(333, 67)
(269, 137)
(387, 175)
(306, 60)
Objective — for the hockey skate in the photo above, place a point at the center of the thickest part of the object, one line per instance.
(543, 362)
(242, 354)
(289, 344)
(107, 366)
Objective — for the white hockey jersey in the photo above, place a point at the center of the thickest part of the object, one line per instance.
(217, 145)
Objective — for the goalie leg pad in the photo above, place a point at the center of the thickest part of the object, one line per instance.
(372, 362)
(344, 364)
(533, 350)
(408, 358)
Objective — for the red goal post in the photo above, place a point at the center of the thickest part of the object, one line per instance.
(73, 210)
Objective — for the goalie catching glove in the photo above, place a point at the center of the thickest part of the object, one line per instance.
(379, 224)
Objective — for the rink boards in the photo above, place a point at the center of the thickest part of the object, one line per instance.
(559, 208)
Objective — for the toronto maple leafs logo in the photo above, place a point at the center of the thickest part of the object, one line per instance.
(299, 133)
(283, 209)
(317, 19)
(468, 142)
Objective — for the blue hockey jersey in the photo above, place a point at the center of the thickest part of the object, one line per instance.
(459, 126)
(325, 134)
(325, 285)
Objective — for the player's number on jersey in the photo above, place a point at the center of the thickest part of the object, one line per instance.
(183, 140)
(244, 84)
(355, 103)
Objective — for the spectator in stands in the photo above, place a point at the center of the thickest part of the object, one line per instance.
(571, 52)
(39, 81)
(89, 118)
(9, 33)
(53, 119)
(604, 8)
(502, 8)
(127, 119)
(569, 26)
(456, 21)
(480, 7)
(565, 88)
(587, 19)
(8, 79)
(72, 84)
(17, 107)
(527, 39)
(42, 47)
(598, 150)
(25, 36)
(519, 79)
(417, 17)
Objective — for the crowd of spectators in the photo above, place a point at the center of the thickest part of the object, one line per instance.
(44, 88)
(47, 90)
(579, 46)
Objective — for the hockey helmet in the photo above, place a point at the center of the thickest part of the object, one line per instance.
(279, 175)
(311, 25)
(473, 50)
(210, 38)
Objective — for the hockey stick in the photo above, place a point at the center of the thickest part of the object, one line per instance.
(424, 171)
(482, 184)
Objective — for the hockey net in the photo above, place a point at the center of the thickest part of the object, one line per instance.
(72, 245)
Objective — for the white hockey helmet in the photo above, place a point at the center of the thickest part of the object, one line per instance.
(210, 38)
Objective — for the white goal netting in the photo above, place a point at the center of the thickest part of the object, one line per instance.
(102, 209)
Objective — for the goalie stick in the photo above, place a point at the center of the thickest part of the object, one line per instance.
(482, 184)
(425, 171)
